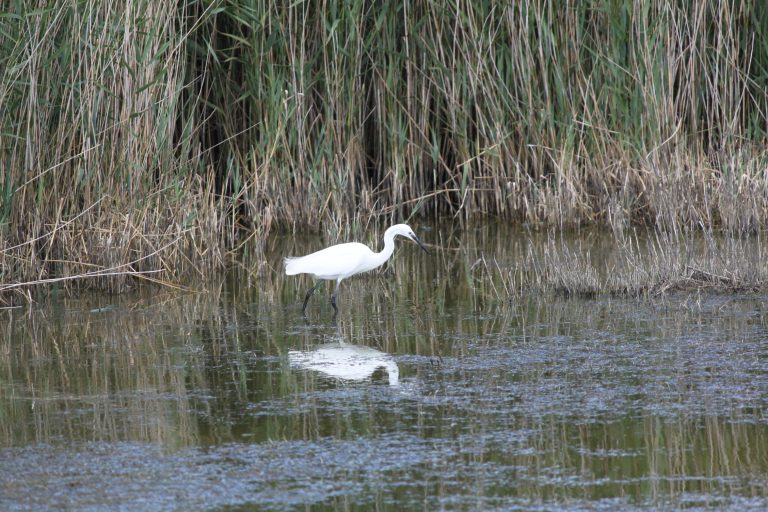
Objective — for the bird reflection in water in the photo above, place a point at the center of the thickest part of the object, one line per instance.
(346, 362)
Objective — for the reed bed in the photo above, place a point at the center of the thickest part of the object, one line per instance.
(151, 139)
(642, 265)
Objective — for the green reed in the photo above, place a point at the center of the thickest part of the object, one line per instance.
(141, 136)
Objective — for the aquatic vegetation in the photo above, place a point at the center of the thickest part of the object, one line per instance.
(652, 264)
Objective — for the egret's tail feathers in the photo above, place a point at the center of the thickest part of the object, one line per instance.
(291, 266)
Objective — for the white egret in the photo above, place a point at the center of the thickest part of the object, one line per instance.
(341, 261)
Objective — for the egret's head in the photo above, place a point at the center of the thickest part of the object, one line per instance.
(406, 231)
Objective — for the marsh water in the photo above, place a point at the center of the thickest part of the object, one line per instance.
(432, 389)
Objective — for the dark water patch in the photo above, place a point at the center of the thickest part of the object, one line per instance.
(396, 470)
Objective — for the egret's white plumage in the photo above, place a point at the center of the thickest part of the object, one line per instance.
(341, 261)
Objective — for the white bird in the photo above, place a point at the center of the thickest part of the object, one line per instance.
(341, 261)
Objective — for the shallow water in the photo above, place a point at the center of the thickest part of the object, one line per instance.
(429, 391)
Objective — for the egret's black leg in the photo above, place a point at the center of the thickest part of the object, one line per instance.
(333, 297)
(333, 301)
(307, 296)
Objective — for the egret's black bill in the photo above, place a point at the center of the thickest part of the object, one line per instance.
(416, 239)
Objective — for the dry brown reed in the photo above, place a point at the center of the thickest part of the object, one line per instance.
(651, 264)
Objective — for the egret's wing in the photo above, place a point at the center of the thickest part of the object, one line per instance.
(330, 263)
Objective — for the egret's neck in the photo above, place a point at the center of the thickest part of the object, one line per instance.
(389, 248)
